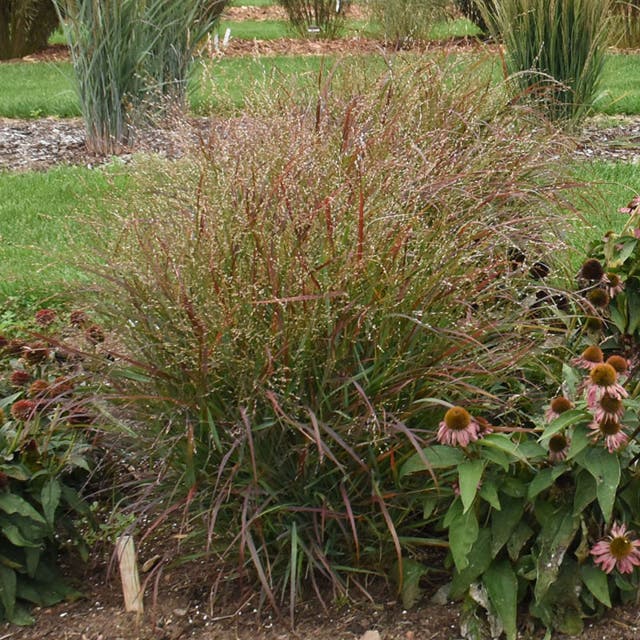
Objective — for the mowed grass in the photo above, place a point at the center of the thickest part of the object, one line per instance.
(42, 228)
(30, 90)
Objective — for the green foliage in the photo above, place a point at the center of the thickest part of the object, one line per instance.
(555, 51)
(130, 59)
(320, 18)
(293, 297)
(44, 458)
(480, 14)
(405, 21)
(25, 26)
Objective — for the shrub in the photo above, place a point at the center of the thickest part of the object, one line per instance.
(291, 299)
(625, 24)
(25, 26)
(322, 17)
(482, 16)
(131, 60)
(555, 51)
(405, 21)
(44, 413)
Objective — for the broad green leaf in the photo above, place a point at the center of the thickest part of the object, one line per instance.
(479, 560)
(597, 582)
(32, 557)
(633, 304)
(463, 532)
(14, 536)
(8, 589)
(9, 400)
(503, 443)
(11, 503)
(623, 254)
(21, 616)
(605, 468)
(504, 522)
(579, 441)
(412, 571)
(502, 586)
(489, 494)
(531, 449)
(469, 476)
(438, 456)
(571, 379)
(50, 497)
(564, 420)
(558, 530)
(518, 539)
(585, 492)
(544, 479)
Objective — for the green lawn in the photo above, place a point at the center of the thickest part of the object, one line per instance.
(38, 226)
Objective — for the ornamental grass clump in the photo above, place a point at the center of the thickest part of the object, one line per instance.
(554, 51)
(321, 18)
(131, 60)
(289, 300)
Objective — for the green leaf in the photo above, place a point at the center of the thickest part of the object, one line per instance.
(597, 582)
(8, 589)
(412, 571)
(518, 539)
(14, 536)
(11, 503)
(503, 443)
(544, 479)
(50, 497)
(469, 476)
(605, 468)
(531, 449)
(504, 522)
(558, 531)
(438, 456)
(579, 441)
(585, 492)
(463, 532)
(502, 587)
(623, 254)
(489, 494)
(479, 560)
(564, 420)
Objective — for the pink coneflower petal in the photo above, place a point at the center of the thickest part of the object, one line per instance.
(589, 358)
(603, 380)
(612, 432)
(613, 284)
(458, 428)
(558, 447)
(618, 549)
(608, 408)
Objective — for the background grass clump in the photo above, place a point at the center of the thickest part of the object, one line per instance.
(292, 297)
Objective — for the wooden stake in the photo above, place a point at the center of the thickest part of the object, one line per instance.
(126, 554)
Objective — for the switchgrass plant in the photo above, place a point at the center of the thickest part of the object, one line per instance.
(288, 300)
(316, 18)
(554, 51)
(407, 21)
(130, 60)
(625, 24)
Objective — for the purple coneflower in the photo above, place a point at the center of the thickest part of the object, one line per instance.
(611, 431)
(558, 447)
(608, 408)
(592, 270)
(617, 550)
(458, 428)
(45, 317)
(558, 405)
(619, 363)
(613, 284)
(589, 358)
(603, 380)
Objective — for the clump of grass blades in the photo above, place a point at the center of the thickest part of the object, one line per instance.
(291, 298)
(131, 58)
(324, 18)
(405, 21)
(625, 24)
(554, 50)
